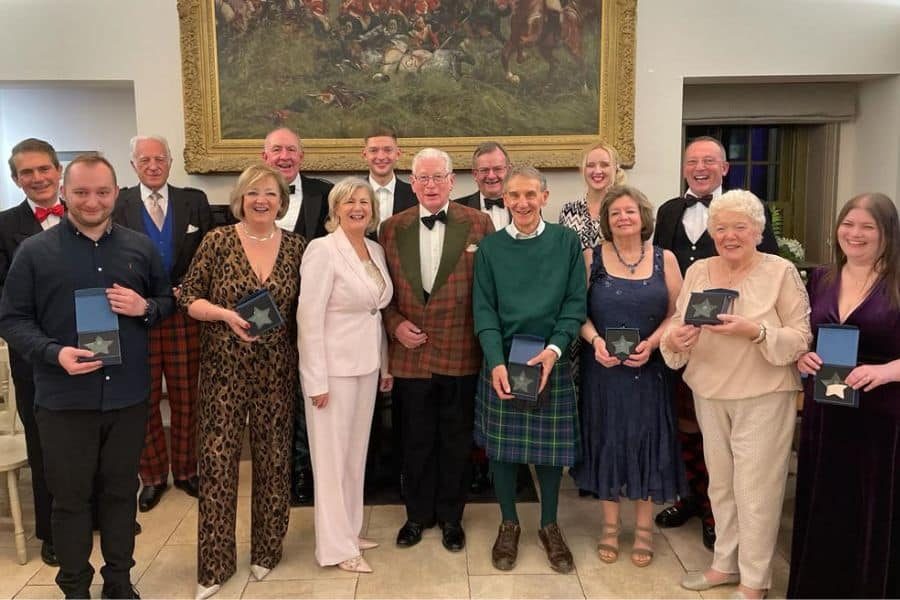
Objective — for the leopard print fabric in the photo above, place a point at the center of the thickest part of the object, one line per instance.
(238, 380)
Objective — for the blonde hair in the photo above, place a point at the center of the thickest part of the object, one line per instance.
(342, 192)
(619, 178)
(739, 201)
(251, 176)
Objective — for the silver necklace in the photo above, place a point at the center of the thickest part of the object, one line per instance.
(632, 267)
(259, 238)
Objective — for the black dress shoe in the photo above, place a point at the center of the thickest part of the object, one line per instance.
(453, 537)
(709, 535)
(190, 486)
(119, 591)
(48, 554)
(410, 534)
(678, 514)
(150, 496)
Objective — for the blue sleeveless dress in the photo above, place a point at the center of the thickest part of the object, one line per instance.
(628, 430)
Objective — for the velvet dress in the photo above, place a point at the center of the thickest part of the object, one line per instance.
(847, 518)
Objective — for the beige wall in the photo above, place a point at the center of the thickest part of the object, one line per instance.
(694, 40)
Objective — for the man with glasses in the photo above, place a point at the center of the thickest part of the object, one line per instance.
(434, 355)
(490, 163)
(176, 219)
(681, 228)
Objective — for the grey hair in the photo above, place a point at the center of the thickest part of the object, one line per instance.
(425, 153)
(739, 201)
(526, 171)
(156, 138)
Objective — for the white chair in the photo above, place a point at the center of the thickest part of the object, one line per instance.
(13, 455)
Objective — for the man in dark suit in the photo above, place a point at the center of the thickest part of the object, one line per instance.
(490, 162)
(176, 219)
(381, 153)
(681, 228)
(306, 215)
(434, 355)
(35, 168)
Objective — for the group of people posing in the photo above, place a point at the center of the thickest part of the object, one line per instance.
(380, 285)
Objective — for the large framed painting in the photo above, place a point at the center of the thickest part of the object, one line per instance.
(544, 77)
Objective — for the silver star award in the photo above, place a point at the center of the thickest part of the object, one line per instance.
(622, 346)
(521, 382)
(99, 345)
(704, 309)
(835, 386)
(261, 317)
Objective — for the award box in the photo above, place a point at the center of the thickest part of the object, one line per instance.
(703, 306)
(524, 379)
(259, 309)
(97, 326)
(837, 346)
(621, 341)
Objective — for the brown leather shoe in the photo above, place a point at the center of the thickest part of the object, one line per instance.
(506, 548)
(551, 540)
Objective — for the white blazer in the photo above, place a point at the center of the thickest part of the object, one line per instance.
(339, 312)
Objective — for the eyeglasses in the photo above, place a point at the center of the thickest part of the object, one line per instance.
(435, 179)
(486, 170)
(146, 160)
(706, 162)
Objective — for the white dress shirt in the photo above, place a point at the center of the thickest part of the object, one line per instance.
(696, 217)
(385, 196)
(289, 220)
(163, 198)
(499, 216)
(51, 220)
(431, 244)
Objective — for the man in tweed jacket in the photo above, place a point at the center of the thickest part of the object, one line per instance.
(434, 355)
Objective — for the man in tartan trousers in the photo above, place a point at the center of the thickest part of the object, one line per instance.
(175, 219)
(434, 356)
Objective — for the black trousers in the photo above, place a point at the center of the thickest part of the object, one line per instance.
(438, 415)
(24, 382)
(300, 460)
(84, 448)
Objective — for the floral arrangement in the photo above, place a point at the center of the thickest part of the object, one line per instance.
(788, 248)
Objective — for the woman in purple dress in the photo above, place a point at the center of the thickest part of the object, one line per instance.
(847, 516)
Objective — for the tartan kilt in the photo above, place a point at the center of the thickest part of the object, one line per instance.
(549, 436)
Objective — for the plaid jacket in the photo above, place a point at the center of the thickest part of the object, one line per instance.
(452, 348)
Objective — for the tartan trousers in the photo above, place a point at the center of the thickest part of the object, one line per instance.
(175, 353)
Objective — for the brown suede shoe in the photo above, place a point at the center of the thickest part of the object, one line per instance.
(551, 540)
(506, 548)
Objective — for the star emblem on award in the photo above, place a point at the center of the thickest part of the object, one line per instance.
(260, 317)
(99, 345)
(834, 386)
(521, 382)
(622, 346)
(704, 309)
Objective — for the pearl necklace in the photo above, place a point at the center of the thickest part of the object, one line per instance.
(632, 267)
(258, 238)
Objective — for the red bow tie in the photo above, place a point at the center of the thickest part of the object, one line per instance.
(41, 213)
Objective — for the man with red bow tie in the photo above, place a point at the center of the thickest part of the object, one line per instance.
(35, 168)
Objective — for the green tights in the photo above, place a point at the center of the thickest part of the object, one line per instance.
(548, 478)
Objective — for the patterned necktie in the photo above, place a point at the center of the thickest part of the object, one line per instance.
(156, 212)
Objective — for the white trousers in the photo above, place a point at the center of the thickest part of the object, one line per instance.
(747, 447)
(338, 443)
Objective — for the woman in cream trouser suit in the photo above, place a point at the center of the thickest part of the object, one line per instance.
(344, 286)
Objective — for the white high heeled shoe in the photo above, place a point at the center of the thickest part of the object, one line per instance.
(204, 592)
(259, 573)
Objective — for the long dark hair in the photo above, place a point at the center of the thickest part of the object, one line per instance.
(887, 264)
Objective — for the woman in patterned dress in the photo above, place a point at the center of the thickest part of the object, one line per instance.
(243, 377)
(600, 169)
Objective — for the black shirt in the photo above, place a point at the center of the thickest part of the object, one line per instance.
(37, 312)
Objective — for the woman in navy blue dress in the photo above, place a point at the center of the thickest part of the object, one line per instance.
(630, 448)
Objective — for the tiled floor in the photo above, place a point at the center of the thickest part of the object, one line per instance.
(166, 556)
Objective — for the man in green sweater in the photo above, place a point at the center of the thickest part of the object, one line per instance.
(529, 280)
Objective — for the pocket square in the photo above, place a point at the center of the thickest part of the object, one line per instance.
(472, 248)
(191, 228)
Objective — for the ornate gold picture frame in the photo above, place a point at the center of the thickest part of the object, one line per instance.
(543, 77)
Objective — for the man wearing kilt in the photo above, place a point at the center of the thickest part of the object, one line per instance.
(175, 220)
(434, 356)
(529, 280)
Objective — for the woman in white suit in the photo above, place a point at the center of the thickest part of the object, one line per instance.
(344, 284)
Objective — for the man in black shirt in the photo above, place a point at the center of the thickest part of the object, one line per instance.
(91, 418)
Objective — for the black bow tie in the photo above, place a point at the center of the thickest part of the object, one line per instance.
(489, 203)
(292, 189)
(431, 219)
(692, 200)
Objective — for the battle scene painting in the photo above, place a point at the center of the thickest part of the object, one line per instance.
(429, 68)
